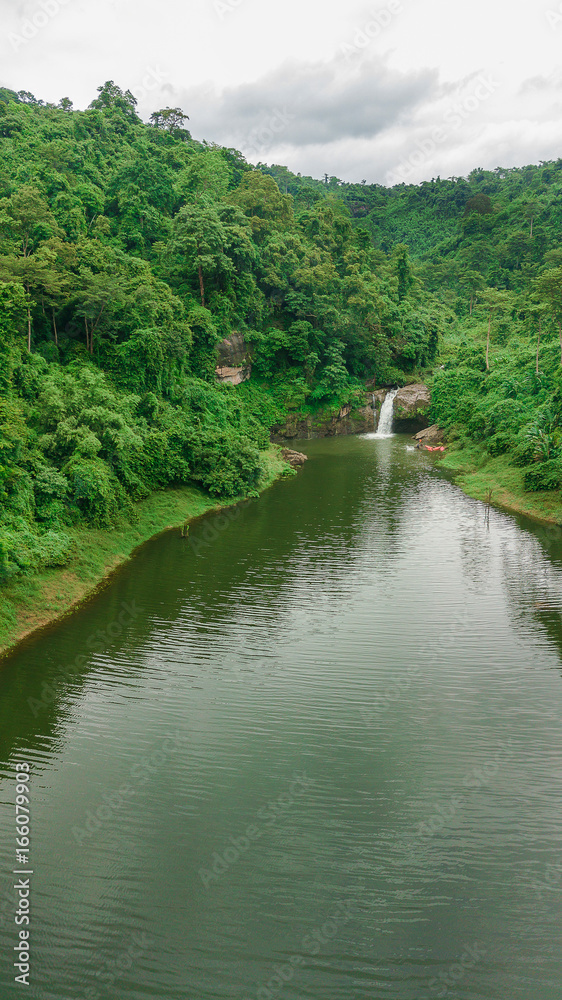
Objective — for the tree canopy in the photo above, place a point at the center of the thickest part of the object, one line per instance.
(129, 250)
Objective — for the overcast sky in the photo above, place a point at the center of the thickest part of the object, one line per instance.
(383, 91)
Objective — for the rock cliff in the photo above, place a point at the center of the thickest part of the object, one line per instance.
(294, 458)
(234, 358)
(411, 406)
(430, 435)
(361, 420)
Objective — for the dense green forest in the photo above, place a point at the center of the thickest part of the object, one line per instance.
(486, 253)
(129, 251)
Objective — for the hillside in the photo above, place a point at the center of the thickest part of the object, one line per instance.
(487, 249)
(129, 251)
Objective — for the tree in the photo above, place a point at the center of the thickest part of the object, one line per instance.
(96, 294)
(197, 245)
(472, 282)
(402, 269)
(494, 300)
(516, 249)
(26, 216)
(37, 276)
(13, 310)
(170, 120)
(207, 175)
(530, 208)
(479, 203)
(26, 97)
(57, 278)
(112, 97)
(549, 290)
(261, 200)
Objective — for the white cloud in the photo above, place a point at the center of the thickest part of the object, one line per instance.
(357, 92)
(310, 104)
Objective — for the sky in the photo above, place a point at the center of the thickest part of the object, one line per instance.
(391, 91)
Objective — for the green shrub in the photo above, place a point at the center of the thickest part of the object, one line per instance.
(499, 444)
(23, 548)
(95, 491)
(543, 475)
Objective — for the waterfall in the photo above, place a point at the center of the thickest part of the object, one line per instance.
(384, 428)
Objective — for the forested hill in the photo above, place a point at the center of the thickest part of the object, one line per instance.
(487, 252)
(128, 251)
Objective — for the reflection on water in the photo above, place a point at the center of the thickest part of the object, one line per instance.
(312, 751)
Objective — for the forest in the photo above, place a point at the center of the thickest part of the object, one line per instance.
(129, 251)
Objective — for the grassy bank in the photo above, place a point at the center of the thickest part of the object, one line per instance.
(481, 476)
(31, 601)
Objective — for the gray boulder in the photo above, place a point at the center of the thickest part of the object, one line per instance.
(430, 435)
(294, 458)
(411, 401)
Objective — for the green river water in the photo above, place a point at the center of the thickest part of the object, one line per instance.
(312, 751)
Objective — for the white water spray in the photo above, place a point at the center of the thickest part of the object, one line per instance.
(384, 428)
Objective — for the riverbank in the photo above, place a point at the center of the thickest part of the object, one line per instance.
(483, 477)
(29, 602)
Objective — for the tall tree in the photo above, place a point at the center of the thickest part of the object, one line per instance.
(170, 120)
(495, 301)
(548, 287)
(111, 97)
(471, 282)
(27, 218)
(197, 246)
(98, 295)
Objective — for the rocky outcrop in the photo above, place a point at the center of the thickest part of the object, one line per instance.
(234, 358)
(233, 375)
(361, 420)
(411, 406)
(233, 352)
(430, 435)
(294, 458)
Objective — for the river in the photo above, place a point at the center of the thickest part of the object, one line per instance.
(312, 751)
